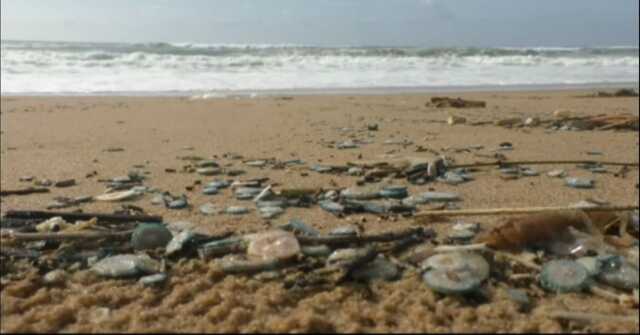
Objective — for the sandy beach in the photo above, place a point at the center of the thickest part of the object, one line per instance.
(61, 138)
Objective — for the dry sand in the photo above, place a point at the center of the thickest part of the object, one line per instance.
(66, 137)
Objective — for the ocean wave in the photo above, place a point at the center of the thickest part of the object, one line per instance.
(93, 67)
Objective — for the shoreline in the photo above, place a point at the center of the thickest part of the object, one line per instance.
(356, 91)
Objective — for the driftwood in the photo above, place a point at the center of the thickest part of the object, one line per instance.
(384, 237)
(27, 237)
(592, 317)
(557, 162)
(530, 210)
(72, 216)
(25, 191)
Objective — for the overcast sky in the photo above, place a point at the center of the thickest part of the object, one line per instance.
(428, 23)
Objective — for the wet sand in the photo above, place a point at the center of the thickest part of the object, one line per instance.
(67, 137)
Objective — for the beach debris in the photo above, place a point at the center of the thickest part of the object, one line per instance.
(52, 225)
(178, 242)
(454, 120)
(65, 183)
(579, 183)
(209, 209)
(316, 251)
(378, 269)
(118, 196)
(26, 191)
(208, 190)
(593, 265)
(619, 273)
(64, 202)
(360, 193)
(222, 247)
(126, 266)
(532, 122)
(525, 231)
(510, 122)
(455, 273)
(256, 163)
(219, 184)
(153, 280)
(349, 259)
(264, 194)
(592, 317)
(349, 144)
(394, 192)
(270, 212)
(177, 203)
(55, 277)
(557, 173)
(208, 171)
(346, 230)
(246, 193)
(372, 127)
(463, 231)
(75, 216)
(331, 207)
(446, 102)
(273, 245)
(563, 276)
(206, 163)
(150, 236)
(236, 210)
(297, 227)
(431, 197)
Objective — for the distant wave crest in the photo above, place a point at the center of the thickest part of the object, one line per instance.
(87, 67)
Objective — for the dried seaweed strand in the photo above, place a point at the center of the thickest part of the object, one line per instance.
(592, 317)
(558, 162)
(26, 191)
(26, 237)
(384, 237)
(529, 210)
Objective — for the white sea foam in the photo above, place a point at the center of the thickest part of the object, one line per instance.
(56, 67)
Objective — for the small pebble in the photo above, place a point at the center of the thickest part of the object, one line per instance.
(178, 204)
(579, 183)
(236, 210)
(55, 277)
(210, 190)
(273, 245)
(65, 183)
(563, 276)
(557, 173)
(209, 171)
(379, 269)
(331, 207)
(177, 242)
(209, 209)
(150, 236)
(153, 280)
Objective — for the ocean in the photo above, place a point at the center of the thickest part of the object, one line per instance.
(61, 68)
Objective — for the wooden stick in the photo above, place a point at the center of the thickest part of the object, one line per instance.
(455, 248)
(27, 237)
(384, 237)
(592, 317)
(25, 191)
(530, 210)
(72, 216)
(558, 162)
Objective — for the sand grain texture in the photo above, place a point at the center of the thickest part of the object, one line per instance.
(67, 137)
